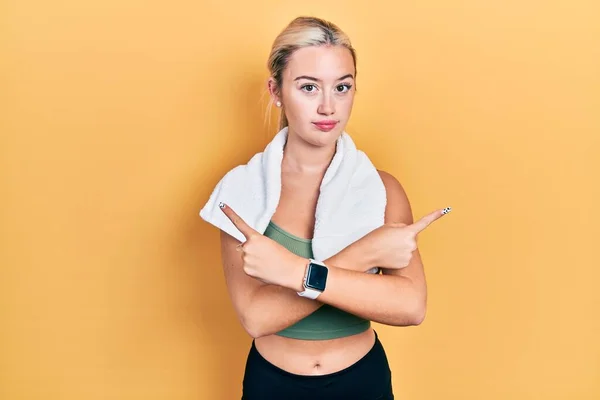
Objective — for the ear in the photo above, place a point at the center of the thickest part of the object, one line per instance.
(273, 89)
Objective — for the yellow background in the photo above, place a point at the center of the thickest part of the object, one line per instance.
(119, 117)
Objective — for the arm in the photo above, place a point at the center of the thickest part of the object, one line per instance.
(265, 309)
(395, 298)
(398, 297)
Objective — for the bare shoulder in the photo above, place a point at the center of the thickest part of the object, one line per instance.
(398, 207)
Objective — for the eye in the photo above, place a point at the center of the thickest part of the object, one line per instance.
(309, 88)
(343, 88)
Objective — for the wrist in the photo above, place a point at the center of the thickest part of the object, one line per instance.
(295, 276)
(373, 253)
(363, 254)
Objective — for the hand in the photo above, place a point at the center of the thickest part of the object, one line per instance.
(394, 243)
(265, 259)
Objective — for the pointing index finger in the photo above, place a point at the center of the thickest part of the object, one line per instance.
(239, 223)
(424, 222)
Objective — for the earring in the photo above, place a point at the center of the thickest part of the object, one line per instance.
(278, 104)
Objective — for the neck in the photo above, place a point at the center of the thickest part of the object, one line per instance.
(302, 157)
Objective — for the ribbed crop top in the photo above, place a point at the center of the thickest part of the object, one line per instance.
(327, 322)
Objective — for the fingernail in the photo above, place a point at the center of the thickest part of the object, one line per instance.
(221, 205)
(446, 210)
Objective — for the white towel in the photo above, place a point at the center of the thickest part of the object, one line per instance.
(351, 201)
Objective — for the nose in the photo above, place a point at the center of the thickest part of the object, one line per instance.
(327, 105)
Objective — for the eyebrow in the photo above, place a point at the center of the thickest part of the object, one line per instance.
(318, 80)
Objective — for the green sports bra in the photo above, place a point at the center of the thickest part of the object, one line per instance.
(327, 322)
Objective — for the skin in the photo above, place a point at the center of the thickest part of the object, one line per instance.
(263, 277)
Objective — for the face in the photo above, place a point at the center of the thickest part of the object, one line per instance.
(317, 93)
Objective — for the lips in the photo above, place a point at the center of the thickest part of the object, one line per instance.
(325, 126)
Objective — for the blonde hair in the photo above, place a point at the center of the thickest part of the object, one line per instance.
(302, 32)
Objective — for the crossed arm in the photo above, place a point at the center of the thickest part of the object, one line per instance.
(397, 297)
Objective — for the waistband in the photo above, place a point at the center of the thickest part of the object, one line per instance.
(373, 354)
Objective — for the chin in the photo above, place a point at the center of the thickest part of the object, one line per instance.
(320, 138)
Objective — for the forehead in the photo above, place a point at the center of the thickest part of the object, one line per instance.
(327, 63)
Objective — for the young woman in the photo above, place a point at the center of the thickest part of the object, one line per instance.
(320, 348)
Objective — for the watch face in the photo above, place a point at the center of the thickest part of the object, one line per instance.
(317, 277)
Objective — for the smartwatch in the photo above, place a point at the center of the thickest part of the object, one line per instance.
(315, 279)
